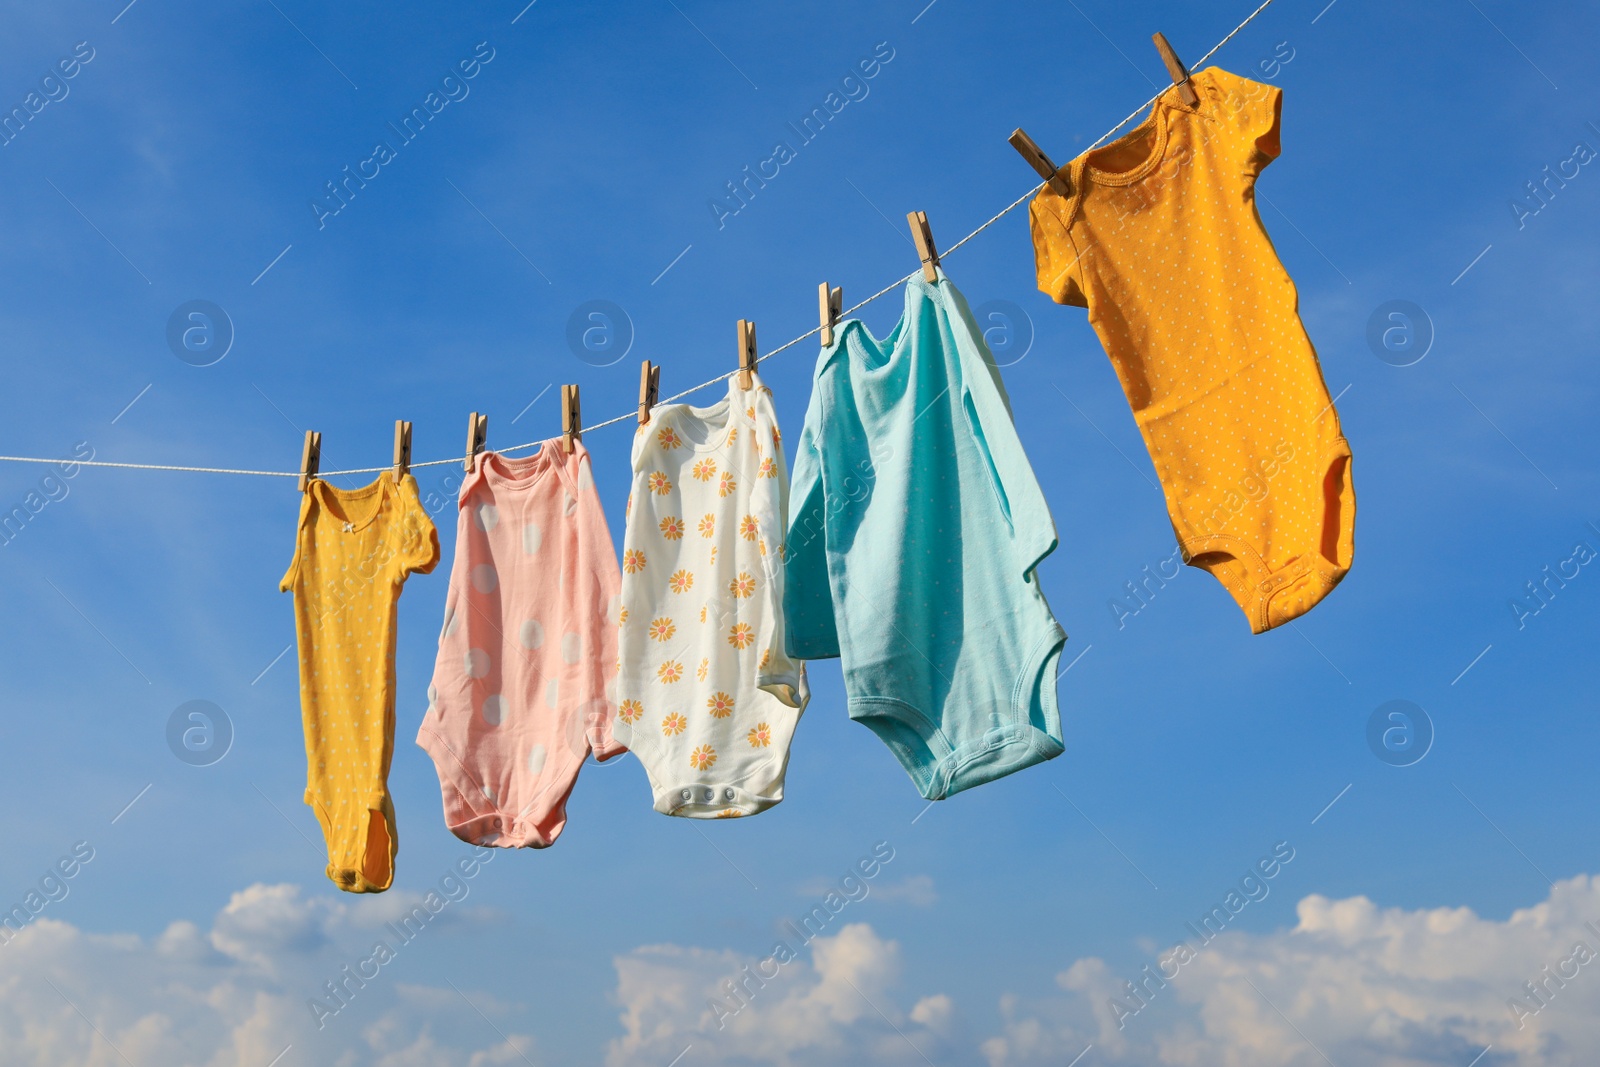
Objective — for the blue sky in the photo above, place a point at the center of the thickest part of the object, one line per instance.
(581, 164)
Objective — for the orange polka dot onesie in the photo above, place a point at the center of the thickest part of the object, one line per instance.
(353, 551)
(1162, 242)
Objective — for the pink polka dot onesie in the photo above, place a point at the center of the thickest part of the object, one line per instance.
(519, 696)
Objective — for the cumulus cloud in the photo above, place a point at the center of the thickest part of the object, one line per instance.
(835, 1004)
(232, 996)
(1350, 983)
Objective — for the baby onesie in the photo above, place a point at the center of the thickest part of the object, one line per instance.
(914, 545)
(519, 695)
(1162, 242)
(709, 698)
(353, 550)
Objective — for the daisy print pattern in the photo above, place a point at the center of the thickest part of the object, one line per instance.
(708, 706)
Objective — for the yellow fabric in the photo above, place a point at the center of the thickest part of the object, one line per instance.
(1162, 243)
(353, 550)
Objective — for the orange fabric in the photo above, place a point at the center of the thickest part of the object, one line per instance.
(1162, 243)
(353, 549)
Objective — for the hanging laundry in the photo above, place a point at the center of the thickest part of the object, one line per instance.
(913, 549)
(353, 551)
(709, 698)
(1160, 239)
(519, 695)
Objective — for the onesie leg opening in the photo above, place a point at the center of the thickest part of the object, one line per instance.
(373, 870)
(1330, 559)
(920, 746)
(1237, 566)
(1030, 734)
(377, 867)
(1339, 514)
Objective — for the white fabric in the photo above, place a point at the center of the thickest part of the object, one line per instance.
(707, 698)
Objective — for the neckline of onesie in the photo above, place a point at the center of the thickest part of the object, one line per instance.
(518, 473)
(877, 355)
(1156, 123)
(716, 437)
(348, 496)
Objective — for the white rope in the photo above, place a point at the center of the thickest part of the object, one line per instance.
(1003, 212)
(147, 466)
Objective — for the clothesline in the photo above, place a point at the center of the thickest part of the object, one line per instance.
(1002, 213)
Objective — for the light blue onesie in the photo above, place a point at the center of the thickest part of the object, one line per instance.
(916, 528)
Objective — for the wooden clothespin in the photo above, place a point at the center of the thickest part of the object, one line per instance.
(649, 389)
(926, 250)
(1040, 162)
(477, 438)
(402, 450)
(747, 351)
(830, 304)
(310, 458)
(1179, 72)
(571, 418)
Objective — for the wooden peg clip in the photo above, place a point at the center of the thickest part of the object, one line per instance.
(402, 450)
(1040, 162)
(830, 305)
(649, 389)
(926, 249)
(1175, 68)
(310, 458)
(747, 352)
(571, 418)
(477, 438)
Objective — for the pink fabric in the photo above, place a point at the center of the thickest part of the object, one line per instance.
(528, 651)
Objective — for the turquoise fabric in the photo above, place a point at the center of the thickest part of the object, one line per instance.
(916, 527)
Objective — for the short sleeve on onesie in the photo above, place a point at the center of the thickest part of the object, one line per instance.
(708, 697)
(520, 694)
(353, 550)
(1161, 241)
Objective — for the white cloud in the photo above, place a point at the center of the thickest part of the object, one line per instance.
(787, 1009)
(917, 890)
(231, 996)
(1364, 986)
(1355, 983)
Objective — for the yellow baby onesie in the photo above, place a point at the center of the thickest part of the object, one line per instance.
(353, 550)
(1161, 241)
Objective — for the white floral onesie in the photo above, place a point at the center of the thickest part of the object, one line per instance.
(707, 697)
